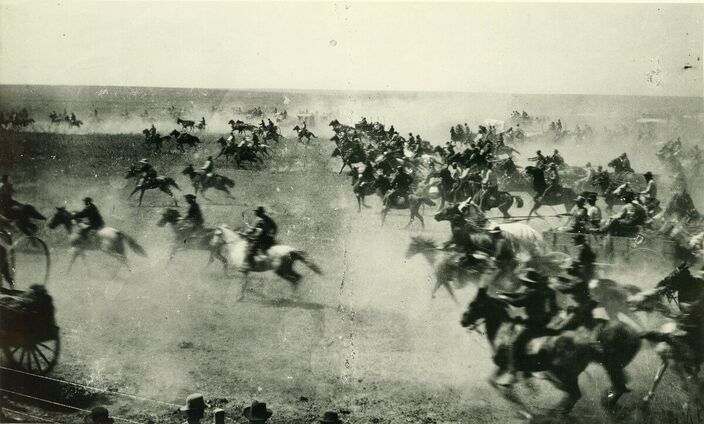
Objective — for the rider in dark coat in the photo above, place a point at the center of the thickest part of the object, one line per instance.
(540, 305)
(400, 185)
(194, 216)
(147, 172)
(6, 192)
(91, 216)
(261, 235)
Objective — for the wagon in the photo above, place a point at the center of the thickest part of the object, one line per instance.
(642, 255)
(29, 337)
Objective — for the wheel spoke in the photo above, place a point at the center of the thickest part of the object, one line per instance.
(21, 357)
(36, 359)
(29, 359)
(52, 349)
(42, 355)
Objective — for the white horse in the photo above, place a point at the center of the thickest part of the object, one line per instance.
(279, 258)
(107, 240)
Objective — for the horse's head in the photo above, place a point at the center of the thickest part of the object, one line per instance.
(418, 245)
(174, 133)
(296, 128)
(450, 213)
(169, 216)
(478, 309)
(61, 217)
(188, 170)
(221, 141)
(145, 131)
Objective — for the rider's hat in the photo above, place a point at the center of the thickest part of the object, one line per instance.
(99, 415)
(580, 199)
(190, 197)
(88, 199)
(588, 165)
(648, 174)
(260, 209)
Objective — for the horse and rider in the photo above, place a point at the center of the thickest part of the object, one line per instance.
(261, 236)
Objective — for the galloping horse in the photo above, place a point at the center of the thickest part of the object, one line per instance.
(185, 123)
(410, 201)
(186, 239)
(107, 239)
(563, 356)
(354, 155)
(503, 200)
(202, 182)
(162, 183)
(564, 196)
(279, 258)
(184, 138)
(683, 349)
(240, 126)
(304, 133)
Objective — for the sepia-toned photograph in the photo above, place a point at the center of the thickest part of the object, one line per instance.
(351, 212)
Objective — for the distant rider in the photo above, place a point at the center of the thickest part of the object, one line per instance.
(552, 177)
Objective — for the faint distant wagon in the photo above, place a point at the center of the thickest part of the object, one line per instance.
(307, 118)
(641, 255)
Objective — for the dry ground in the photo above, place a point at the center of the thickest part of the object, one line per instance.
(364, 338)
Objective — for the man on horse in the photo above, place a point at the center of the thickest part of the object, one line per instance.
(648, 197)
(629, 219)
(576, 287)
(207, 170)
(557, 159)
(540, 305)
(147, 173)
(490, 186)
(193, 221)
(90, 217)
(261, 235)
(625, 163)
(367, 177)
(539, 159)
(552, 178)
(400, 185)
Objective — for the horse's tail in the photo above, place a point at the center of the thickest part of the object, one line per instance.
(132, 243)
(519, 201)
(300, 255)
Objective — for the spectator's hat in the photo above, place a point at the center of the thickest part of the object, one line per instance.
(99, 415)
(194, 402)
(257, 412)
(330, 417)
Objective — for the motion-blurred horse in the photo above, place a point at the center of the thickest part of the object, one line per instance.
(561, 196)
(107, 240)
(278, 258)
(187, 239)
(202, 182)
(562, 356)
(162, 183)
(304, 133)
(186, 124)
(184, 139)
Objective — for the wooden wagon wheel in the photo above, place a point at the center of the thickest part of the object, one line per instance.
(21, 253)
(38, 357)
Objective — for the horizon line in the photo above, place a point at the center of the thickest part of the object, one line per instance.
(349, 90)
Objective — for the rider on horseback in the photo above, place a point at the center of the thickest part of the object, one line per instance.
(576, 287)
(553, 180)
(400, 185)
(193, 221)
(490, 186)
(557, 159)
(6, 193)
(91, 217)
(540, 305)
(261, 235)
(648, 197)
(367, 176)
(147, 173)
(539, 159)
(207, 170)
(629, 219)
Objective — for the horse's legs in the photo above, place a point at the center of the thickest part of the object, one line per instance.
(656, 381)
(570, 384)
(141, 196)
(618, 386)
(245, 284)
(343, 167)
(383, 214)
(422, 221)
(504, 207)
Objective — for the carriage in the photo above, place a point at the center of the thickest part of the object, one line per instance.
(642, 255)
(29, 337)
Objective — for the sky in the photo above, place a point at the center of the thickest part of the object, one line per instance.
(552, 48)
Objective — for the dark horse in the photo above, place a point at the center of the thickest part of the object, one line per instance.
(162, 183)
(563, 356)
(562, 196)
(202, 182)
(680, 345)
(503, 200)
(185, 123)
(304, 133)
(410, 201)
(354, 155)
(184, 138)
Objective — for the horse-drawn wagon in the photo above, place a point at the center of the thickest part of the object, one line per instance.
(29, 337)
(642, 254)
